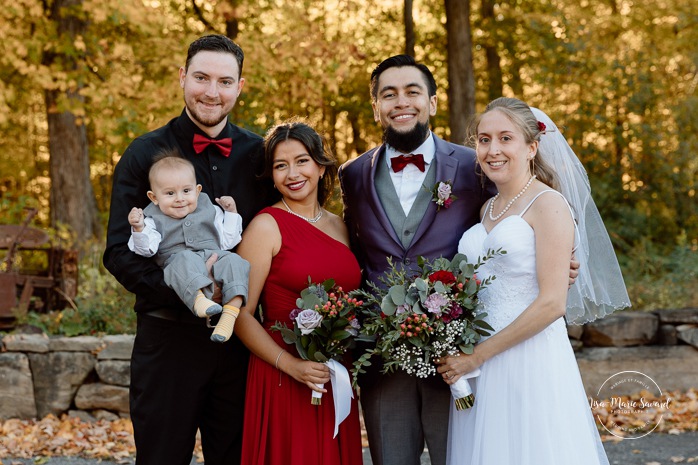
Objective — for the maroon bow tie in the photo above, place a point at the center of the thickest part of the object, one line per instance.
(398, 163)
(224, 145)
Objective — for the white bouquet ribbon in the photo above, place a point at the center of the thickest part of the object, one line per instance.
(342, 393)
(461, 391)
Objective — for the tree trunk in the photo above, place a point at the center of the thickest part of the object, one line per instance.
(409, 28)
(331, 122)
(360, 145)
(461, 77)
(232, 24)
(494, 67)
(73, 200)
(515, 81)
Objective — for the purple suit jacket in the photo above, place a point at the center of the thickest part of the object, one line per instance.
(372, 236)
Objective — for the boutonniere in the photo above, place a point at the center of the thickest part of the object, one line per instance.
(441, 194)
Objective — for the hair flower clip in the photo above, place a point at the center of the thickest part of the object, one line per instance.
(541, 126)
(441, 194)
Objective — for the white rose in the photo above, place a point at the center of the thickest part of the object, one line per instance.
(308, 320)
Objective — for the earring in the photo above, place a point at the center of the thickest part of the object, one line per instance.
(533, 164)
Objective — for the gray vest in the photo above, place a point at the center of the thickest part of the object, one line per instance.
(196, 231)
(404, 225)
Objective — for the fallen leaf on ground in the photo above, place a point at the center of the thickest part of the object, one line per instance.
(70, 436)
(677, 417)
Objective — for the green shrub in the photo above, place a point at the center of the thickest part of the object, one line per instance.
(102, 305)
(656, 280)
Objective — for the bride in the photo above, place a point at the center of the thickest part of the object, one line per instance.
(530, 407)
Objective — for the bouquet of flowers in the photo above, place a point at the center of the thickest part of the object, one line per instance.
(324, 326)
(425, 317)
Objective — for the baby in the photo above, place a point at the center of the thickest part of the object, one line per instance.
(182, 230)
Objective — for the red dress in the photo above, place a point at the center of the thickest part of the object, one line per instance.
(282, 427)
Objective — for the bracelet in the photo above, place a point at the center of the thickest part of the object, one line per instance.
(276, 363)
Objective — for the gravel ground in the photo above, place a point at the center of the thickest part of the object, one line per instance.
(655, 449)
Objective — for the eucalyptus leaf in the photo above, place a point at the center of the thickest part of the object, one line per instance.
(458, 259)
(468, 269)
(388, 306)
(466, 349)
(397, 295)
(310, 301)
(301, 350)
(288, 335)
(471, 287)
(439, 287)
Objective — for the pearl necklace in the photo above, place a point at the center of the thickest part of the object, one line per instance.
(315, 219)
(511, 202)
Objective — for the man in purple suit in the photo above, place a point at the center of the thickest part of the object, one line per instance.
(390, 213)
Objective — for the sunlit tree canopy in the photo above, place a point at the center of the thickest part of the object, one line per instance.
(620, 77)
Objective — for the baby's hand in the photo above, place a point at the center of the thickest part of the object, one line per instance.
(227, 203)
(136, 219)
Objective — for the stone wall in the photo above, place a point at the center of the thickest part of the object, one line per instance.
(662, 345)
(85, 376)
(89, 376)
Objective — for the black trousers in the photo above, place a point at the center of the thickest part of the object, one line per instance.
(181, 381)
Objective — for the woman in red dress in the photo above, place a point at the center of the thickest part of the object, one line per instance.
(286, 244)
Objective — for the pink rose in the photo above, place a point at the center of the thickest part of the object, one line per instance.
(444, 191)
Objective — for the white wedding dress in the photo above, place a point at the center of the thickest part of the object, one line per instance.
(530, 405)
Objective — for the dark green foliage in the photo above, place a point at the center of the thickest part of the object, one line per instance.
(101, 307)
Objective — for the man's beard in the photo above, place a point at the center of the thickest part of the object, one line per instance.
(406, 142)
(206, 120)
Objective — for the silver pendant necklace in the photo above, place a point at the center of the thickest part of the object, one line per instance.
(315, 219)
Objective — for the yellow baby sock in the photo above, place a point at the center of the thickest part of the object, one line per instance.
(224, 328)
(204, 307)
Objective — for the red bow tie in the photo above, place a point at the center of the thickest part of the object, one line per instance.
(224, 145)
(398, 163)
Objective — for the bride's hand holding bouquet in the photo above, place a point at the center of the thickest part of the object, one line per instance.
(427, 317)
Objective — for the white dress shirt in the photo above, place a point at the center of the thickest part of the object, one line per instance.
(228, 225)
(410, 180)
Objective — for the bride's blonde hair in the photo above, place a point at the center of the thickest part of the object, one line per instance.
(523, 118)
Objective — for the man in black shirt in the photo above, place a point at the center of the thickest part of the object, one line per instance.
(181, 381)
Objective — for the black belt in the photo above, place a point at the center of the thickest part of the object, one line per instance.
(166, 314)
(172, 314)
